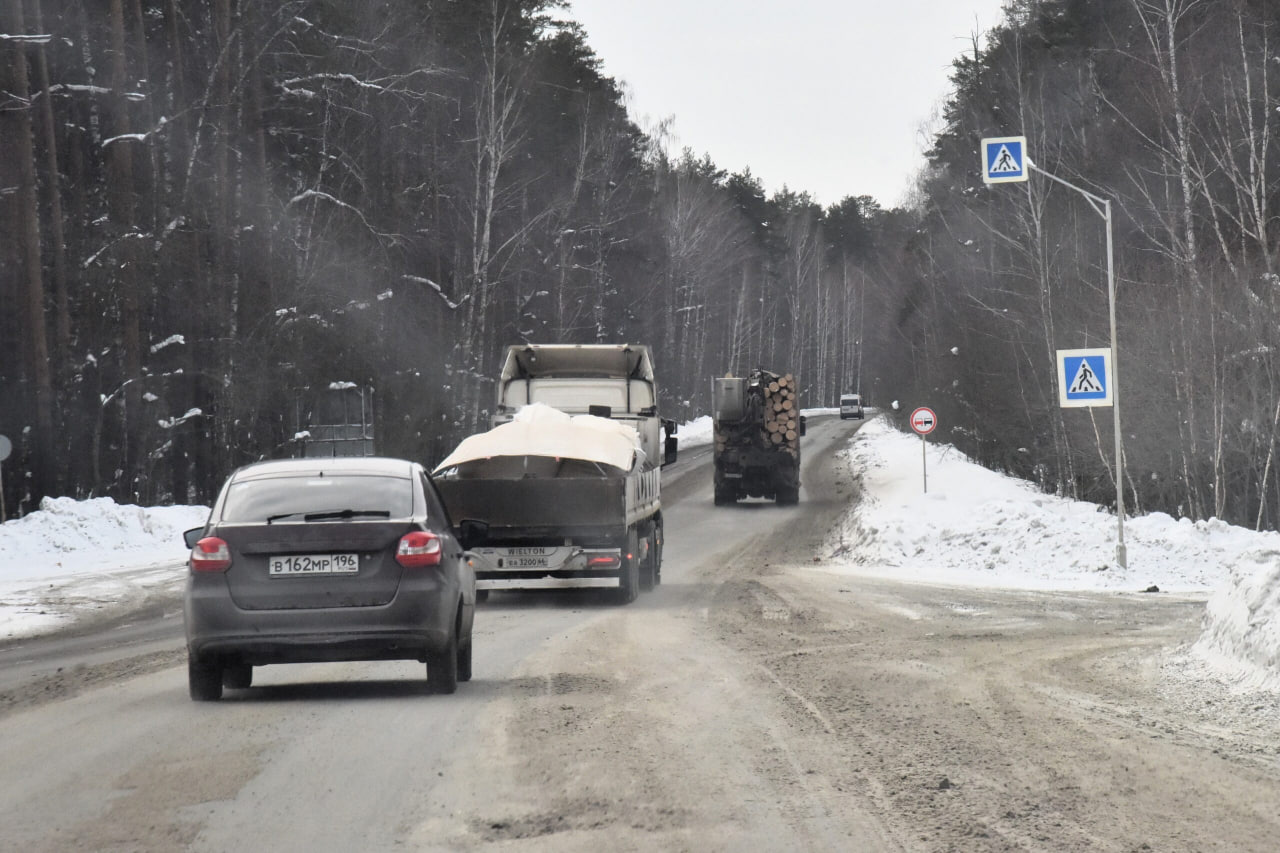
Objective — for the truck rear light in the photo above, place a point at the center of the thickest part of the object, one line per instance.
(211, 554)
(419, 548)
(603, 562)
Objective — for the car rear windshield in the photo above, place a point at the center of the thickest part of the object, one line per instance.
(292, 498)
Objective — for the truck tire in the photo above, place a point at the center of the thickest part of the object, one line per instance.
(657, 552)
(788, 495)
(724, 497)
(629, 577)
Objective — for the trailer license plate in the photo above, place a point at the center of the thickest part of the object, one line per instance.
(313, 564)
(528, 558)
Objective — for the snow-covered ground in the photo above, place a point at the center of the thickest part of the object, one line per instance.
(972, 527)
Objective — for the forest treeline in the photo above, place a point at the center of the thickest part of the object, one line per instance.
(210, 208)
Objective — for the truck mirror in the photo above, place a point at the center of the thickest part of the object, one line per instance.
(471, 533)
(669, 450)
(670, 426)
(803, 421)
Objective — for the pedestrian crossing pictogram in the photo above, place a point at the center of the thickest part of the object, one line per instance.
(1004, 162)
(1086, 381)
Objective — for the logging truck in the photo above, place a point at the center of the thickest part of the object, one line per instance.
(758, 426)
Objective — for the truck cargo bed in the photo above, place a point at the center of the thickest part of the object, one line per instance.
(540, 508)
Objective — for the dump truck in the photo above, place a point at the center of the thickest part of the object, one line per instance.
(567, 483)
(758, 426)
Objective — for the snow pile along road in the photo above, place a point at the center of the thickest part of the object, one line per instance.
(74, 557)
(979, 527)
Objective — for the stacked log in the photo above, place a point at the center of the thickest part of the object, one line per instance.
(780, 406)
(782, 411)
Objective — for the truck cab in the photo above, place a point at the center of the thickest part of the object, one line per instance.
(610, 380)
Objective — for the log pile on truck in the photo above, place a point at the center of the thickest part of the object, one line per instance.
(758, 426)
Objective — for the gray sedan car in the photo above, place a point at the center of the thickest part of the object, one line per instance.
(307, 560)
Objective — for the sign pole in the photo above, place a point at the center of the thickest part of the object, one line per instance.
(6, 447)
(1005, 160)
(1121, 556)
(923, 421)
(924, 460)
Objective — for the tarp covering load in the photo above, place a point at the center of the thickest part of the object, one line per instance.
(541, 431)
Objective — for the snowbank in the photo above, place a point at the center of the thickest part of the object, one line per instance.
(1241, 635)
(72, 557)
(69, 536)
(975, 526)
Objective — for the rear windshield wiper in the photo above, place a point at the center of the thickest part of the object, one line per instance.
(346, 513)
(328, 514)
(271, 518)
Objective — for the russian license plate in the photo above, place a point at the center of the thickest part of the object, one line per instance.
(313, 564)
(527, 558)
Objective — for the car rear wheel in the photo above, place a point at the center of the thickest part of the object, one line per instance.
(464, 660)
(204, 680)
(237, 676)
(442, 666)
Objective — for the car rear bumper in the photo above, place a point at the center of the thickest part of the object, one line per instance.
(406, 628)
(316, 648)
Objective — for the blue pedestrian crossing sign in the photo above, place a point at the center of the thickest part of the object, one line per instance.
(1085, 377)
(1004, 159)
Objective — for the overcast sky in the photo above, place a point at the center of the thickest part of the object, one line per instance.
(828, 96)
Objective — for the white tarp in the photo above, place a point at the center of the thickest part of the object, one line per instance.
(539, 430)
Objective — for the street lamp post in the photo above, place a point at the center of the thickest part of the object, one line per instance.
(1102, 207)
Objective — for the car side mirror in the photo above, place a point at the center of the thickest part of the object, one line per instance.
(803, 421)
(192, 536)
(669, 450)
(472, 532)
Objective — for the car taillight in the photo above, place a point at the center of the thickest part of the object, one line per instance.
(211, 554)
(419, 548)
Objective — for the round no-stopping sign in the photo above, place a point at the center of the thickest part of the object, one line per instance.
(923, 420)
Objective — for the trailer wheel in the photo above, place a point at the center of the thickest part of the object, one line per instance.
(649, 567)
(657, 552)
(724, 497)
(788, 495)
(629, 578)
